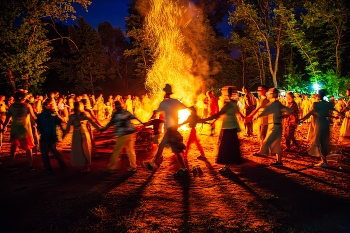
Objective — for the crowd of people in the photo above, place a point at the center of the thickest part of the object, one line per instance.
(34, 121)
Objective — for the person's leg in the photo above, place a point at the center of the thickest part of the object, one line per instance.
(114, 162)
(288, 143)
(181, 161)
(130, 149)
(30, 159)
(44, 148)
(199, 146)
(190, 140)
(279, 158)
(161, 147)
(57, 155)
(292, 135)
(12, 155)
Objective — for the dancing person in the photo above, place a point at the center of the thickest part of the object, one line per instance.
(261, 103)
(47, 122)
(274, 134)
(291, 121)
(172, 137)
(21, 131)
(129, 104)
(249, 105)
(125, 132)
(192, 122)
(345, 127)
(157, 125)
(320, 146)
(305, 107)
(3, 110)
(213, 108)
(81, 141)
(228, 146)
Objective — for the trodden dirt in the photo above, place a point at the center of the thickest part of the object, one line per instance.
(253, 198)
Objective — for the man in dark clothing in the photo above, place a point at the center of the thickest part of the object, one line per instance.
(47, 122)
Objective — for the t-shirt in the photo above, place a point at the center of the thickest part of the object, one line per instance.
(171, 108)
(261, 103)
(121, 121)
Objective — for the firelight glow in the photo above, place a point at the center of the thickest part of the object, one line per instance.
(165, 22)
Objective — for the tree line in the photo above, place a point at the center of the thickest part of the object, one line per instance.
(283, 43)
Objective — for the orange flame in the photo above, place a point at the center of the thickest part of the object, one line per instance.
(165, 21)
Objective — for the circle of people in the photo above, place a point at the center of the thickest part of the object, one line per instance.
(275, 115)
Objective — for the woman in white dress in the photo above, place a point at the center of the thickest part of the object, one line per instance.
(320, 144)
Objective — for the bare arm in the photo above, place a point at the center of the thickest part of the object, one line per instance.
(31, 111)
(8, 117)
(92, 122)
(70, 121)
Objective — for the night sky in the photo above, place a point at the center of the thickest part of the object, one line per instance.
(113, 11)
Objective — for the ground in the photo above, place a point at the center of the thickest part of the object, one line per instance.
(254, 198)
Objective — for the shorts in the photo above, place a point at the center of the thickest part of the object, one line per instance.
(174, 139)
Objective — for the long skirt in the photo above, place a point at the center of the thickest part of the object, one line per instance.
(320, 146)
(272, 140)
(228, 151)
(81, 147)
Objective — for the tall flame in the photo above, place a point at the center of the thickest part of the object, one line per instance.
(165, 22)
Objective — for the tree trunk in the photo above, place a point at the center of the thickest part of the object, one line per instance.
(26, 82)
(337, 60)
(243, 68)
(260, 66)
(11, 79)
(92, 84)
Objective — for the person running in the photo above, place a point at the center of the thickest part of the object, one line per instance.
(172, 137)
(21, 131)
(274, 135)
(125, 132)
(47, 122)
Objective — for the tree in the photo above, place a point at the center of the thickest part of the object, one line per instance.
(323, 55)
(138, 54)
(266, 21)
(332, 17)
(24, 46)
(88, 62)
(115, 44)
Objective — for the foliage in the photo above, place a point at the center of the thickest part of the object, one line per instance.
(87, 63)
(264, 23)
(115, 44)
(139, 54)
(24, 45)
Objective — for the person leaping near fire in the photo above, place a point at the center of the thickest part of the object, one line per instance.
(172, 137)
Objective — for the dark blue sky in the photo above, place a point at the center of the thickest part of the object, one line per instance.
(99, 11)
(115, 12)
